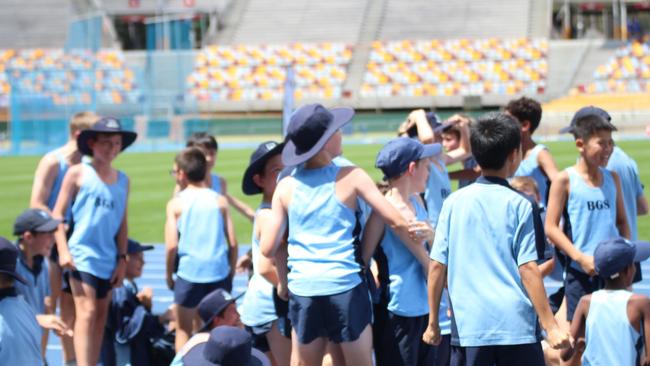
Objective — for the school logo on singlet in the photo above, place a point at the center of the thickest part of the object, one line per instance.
(103, 202)
(598, 205)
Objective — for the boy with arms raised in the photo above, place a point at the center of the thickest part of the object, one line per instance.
(486, 246)
(95, 253)
(206, 256)
(613, 319)
(591, 197)
(328, 298)
(259, 310)
(405, 164)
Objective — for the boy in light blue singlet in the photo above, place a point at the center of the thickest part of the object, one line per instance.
(405, 165)
(537, 162)
(261, 310)
(95, 253)
(328, 296)
(613, 320)
(196, 237)
(589, 197)
(485, 248)
(45, 190)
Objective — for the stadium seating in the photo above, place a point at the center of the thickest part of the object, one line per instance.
(66, 78)
(627, 72)
(456, 67)
(235, 73)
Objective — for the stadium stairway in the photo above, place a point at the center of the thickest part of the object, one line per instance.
(154, 277)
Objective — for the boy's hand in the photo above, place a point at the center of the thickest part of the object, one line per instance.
(118, 273)
(283, 291)
(558, 338)
(587, 264)
(145, 297)
(432, 335)
(66, 262)
(170, 281)
(244, 263)
(421, 231)
(53, 322)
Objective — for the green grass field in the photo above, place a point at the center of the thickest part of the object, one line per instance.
(151, 185)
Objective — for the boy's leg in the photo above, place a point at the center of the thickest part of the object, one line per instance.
(280, 345)
(67, 312)
(86, 323)
(187, 296)
(359, 352)
(310, 354)
(100, 323)
(184, 320)
(333, 355)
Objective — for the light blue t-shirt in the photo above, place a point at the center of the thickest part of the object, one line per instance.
(407, 295)
(258, 307)
(438, 189)
(323, 241)
(610, 338)
(38, 280)
(484, 233)
(529, 167)
(631, 186)
(216, 183)
(202, 247)
(20, 335)
(592, 212)
(97, 212)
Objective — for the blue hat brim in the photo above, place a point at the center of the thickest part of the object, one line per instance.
(642, 250)
(128, 137)
(247, 185)
(341, 116)
(443, 126)
(567, 129)
(195, 357)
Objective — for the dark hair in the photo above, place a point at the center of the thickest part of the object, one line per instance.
(192, 162)
(451, 130)
(526, 109)
(202, 139)
(493, 137)
(589, 125)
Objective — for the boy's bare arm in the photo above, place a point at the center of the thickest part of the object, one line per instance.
(43, 181)
(621, 218)
(556, 202)
(229, 231)
(240, 206)
(282, 269)
(437, 278)
(68, 190)
(531, 278)
(122, 244)
(372, 234)
(546, 162)
(547, 267)
(464, 150)
(577, 327)
(419, 118)
(644, 309)
(171, 239)
(366, 189)
(270, 238)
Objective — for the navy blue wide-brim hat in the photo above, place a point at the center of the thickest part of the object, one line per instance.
(8, 260)
(310, 127)
(260, 156)
(104, 125)
(226, 346)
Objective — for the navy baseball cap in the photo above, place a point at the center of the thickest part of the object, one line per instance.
(434, 122)
(136, 247)
(8, 258)
(212, 305)
(310, 127)
(226, 346)
(104, 125)
(260, 156)
(394, 158)
(613, 255)
(584, 112)
(35, 220)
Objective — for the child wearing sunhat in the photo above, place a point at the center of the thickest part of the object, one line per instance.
(226, 346)
(95, 253)
(19, 331)
(612, 320)
(318, 205)
(405, 164)
(261, 303)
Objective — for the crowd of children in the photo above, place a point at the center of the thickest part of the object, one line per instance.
(345, 271)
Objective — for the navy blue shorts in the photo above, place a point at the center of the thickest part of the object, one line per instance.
(514, 355)
(258, 333)
(401, 344)
(282, 311)
(340, 317)
(101, 286)
(576, 285)
(189, 294)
